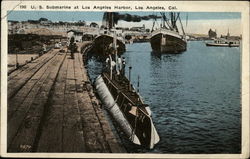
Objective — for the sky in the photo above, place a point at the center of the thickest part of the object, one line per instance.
(198, 22)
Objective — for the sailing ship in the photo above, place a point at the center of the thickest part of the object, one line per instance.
(102, 44)
(125, 104)
(167, 38)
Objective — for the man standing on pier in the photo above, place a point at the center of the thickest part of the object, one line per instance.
(72, 47)
(119, 65)
(123, 66)
(44, 48)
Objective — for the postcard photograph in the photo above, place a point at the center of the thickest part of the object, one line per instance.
(139, 79)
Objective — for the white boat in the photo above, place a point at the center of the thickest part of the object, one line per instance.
(224, 43)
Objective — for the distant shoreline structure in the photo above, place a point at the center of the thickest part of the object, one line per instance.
(14, 26)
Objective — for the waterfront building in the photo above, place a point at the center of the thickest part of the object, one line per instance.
(212, 34)
(77, 34)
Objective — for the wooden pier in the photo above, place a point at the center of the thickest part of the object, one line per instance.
(52, 108)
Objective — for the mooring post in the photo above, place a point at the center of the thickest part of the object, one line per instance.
(110, 61)
(129, 76)
(138, 83)
(17, 64)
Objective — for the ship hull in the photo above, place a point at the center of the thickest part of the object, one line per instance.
(164, 43)
(102, 45)
(134, 121)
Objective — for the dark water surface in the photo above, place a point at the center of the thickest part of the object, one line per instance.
(194, 97)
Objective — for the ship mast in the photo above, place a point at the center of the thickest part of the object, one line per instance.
(182, 27)
(171, 22)
(165, 21)
(115, 51)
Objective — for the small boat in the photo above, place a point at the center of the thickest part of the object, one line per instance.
(224, 43)
(167, 39)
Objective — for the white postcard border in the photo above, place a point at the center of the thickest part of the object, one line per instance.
(187, 6)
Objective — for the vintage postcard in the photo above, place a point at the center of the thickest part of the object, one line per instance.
(123, 79)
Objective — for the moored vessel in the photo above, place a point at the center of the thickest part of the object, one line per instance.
(124, 103)
(102, 44)
(224, 43)
(167, 38)
(127, 109)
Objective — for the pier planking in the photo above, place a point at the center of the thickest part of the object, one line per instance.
(53, 122)
(19, 105)
(29, 129)
(27, 88)
(17, 80)
(51, 110)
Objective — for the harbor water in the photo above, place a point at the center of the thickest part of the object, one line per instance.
(194, 97)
